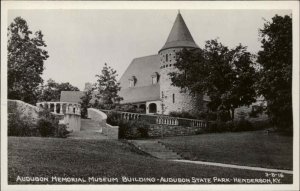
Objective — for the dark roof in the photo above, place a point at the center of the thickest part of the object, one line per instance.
(74, 96)
(179, 36)
(140, 94)
(71, 96)
(142, 68)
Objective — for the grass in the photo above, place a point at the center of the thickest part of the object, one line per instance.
(47, 157)
(254, 148)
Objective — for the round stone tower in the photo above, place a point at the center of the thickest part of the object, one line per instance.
(172, 98)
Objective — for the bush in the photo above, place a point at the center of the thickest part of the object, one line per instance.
(182, 114)
(133, 129)
(128, 129)
(61, 131)
(48, 125)
(130, 108)
(113, 118)
(45, 127)
(20, 126)
(209, 116)
(256, 110)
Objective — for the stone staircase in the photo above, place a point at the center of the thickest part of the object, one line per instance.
(89, 130)
(156, 149)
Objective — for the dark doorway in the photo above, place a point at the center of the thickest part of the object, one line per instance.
(152, 108)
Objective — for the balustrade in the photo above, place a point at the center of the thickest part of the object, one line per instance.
(60, 108)
(166, 120)
(162, 119)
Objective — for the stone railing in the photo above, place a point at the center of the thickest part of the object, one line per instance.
(97, 115)
(166, 120)
(68, 112)
(160, 119)
(110, 131)
(60, 108)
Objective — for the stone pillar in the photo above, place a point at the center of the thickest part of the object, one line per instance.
(55, 108)
(61, 108)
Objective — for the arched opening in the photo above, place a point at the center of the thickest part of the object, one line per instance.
(57, 108)
(51, 107)
(152, 108)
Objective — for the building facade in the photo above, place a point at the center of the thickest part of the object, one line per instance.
(146, 83)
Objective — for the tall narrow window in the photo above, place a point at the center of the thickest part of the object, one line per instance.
(166, 58)
(173, 98)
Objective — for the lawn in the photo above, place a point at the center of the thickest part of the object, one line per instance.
(48, 157)
(254, 148)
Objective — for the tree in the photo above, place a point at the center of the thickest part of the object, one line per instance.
(26, 58)
(275, 76)
(86, 101)
(225, 75)
(52, 90)
(108, 88)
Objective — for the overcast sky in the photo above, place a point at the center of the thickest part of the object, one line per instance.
(79, 42)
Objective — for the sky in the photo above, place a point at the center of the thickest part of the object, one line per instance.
(79, 42)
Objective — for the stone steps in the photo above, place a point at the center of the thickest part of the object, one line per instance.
(89, 130)
(156, 149)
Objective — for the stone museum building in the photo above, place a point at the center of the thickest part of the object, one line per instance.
(146, 82)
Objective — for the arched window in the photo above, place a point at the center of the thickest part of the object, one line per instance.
(173, 98)
(152, 108)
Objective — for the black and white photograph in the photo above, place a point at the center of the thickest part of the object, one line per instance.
(150, 95)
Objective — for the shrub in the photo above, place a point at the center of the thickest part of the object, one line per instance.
(113, 118)
(61, 131)
(128, 129)
(209, 116)
(182, 114)
(256, 110)
(20, 126)
(133, 129)
(45, 127)
(48, 125)
(130, 108)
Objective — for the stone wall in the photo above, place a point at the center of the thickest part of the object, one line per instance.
(169, 130)
(111, 132)
(24, 109)
(156, 130)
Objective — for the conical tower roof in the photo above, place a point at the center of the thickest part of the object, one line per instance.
(179, 36)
